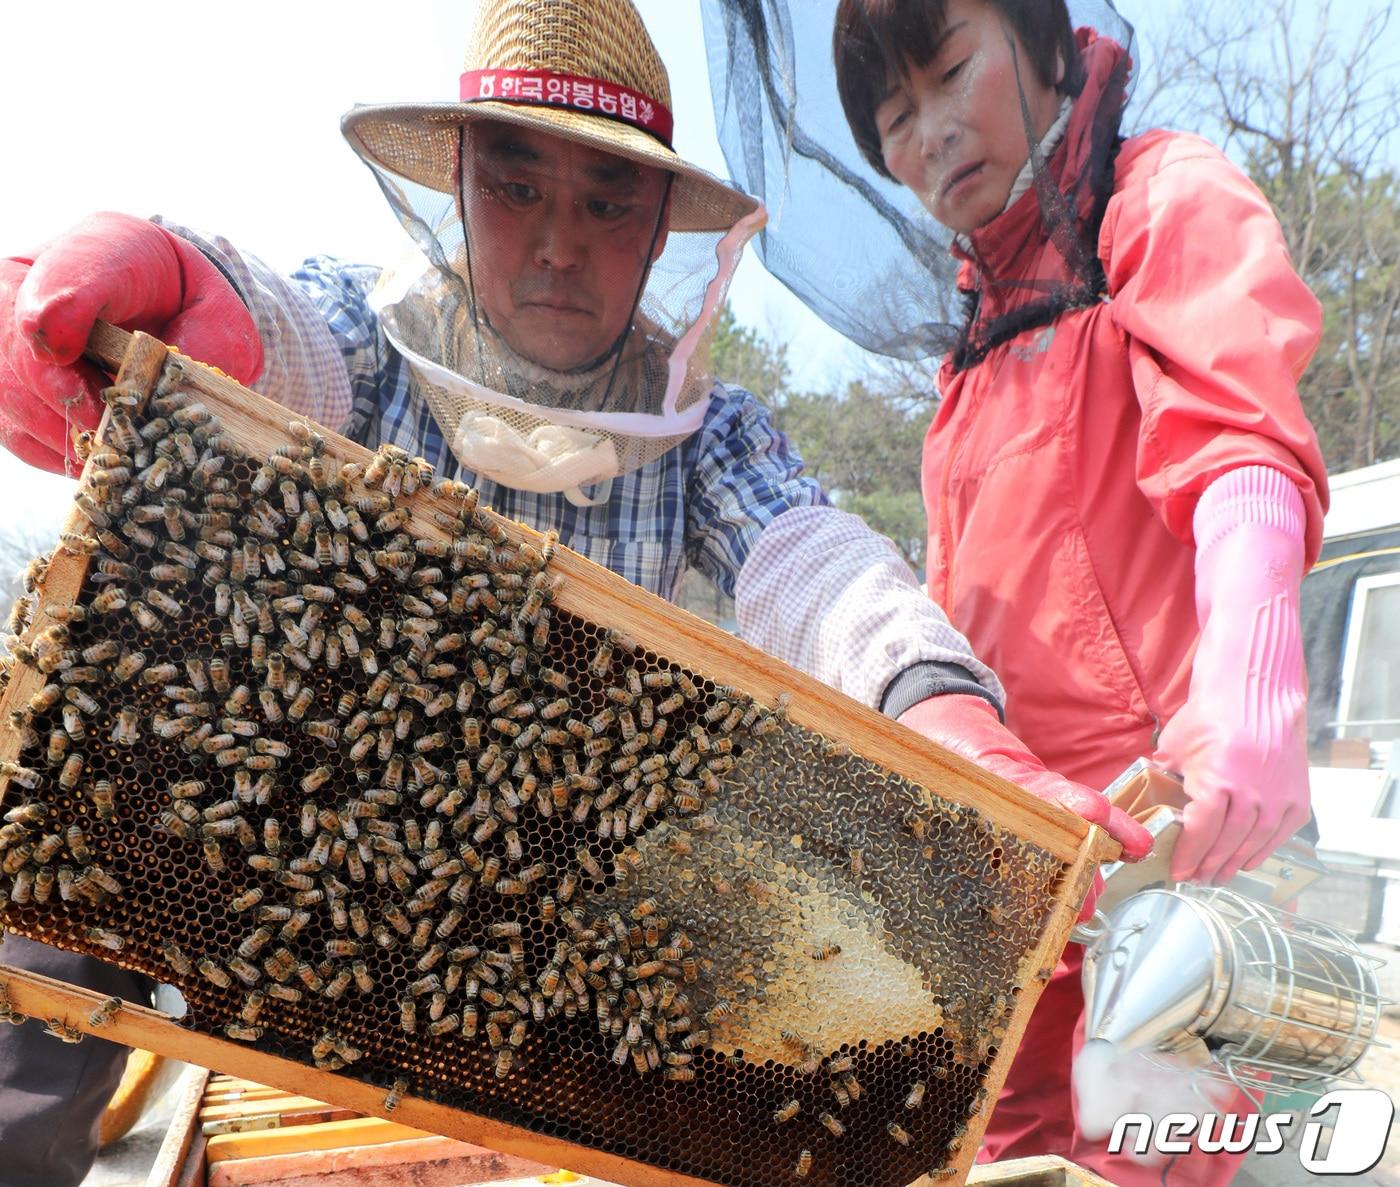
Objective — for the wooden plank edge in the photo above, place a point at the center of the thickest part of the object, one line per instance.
(1039, 1170)
(136, 1026)
(171, 1155)
(391, 1161)
(259, 425)
(299, 1139)
(214, 1110)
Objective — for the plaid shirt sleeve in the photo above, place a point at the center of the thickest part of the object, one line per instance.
(309, 325)
(744, 473)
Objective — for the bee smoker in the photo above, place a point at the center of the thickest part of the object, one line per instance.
(1228, 978)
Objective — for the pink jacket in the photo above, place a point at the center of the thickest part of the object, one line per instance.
(1061, 472)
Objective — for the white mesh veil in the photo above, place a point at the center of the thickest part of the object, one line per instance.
(570, 266)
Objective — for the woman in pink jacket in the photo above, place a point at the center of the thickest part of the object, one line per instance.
(1122, 488)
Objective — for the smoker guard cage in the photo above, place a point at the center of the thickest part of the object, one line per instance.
(1303, 1001)
(424, 817)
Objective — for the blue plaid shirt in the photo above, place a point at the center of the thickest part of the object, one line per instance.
(703, 503)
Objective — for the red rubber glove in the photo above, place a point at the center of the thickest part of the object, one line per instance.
(124, 270)
(968, 726)
(1240, 740)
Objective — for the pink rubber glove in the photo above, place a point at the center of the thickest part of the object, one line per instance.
(1239, 741)
(125, 270)
(968, 726)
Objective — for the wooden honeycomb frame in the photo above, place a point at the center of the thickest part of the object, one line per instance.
(258, 425)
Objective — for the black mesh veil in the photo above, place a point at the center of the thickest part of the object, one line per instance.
(858, 248)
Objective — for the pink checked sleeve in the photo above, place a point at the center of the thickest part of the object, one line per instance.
(825, 593)
(304, 369)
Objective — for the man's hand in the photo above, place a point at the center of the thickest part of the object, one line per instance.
(125, 270)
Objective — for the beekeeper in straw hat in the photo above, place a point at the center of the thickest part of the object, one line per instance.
(547, 343)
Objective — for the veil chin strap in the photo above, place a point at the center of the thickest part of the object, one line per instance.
(577, 498)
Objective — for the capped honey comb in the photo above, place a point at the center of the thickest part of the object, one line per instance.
(318, 743)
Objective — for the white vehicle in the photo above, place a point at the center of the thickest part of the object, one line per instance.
(1351, 628)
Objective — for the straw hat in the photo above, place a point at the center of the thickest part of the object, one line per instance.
(581, 69)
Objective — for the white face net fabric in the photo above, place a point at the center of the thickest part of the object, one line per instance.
(556, 319)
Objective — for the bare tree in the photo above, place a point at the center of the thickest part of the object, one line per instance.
(1306, 96)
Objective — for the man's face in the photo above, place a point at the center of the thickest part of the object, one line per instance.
(561, 236)
(952, 130)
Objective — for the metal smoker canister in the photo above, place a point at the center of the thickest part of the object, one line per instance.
(1256, 995)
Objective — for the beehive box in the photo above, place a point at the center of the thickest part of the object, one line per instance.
(426, 816)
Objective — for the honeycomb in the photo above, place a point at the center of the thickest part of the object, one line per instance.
(375, 803)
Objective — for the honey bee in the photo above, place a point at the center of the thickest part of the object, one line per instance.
(58, 747)
(213, 973)
(100, 652)
(243, 1032)
(128, 666)
(505, 1057)
(105, 1012)
(787, 1112)
(46, 848)
(126, 731)
(72, 771)
(246, 901)
(213, 854)
(25, 777)
(244, 971)
(22, 890)
(44, 881)
(804, 1164)
(309, 976)
(284, 993)
(395, 1094)
(144, 616)
(896, 1131)
(77, 844)
(826, 951)
(359, 970)
(444, 1024)
(60, 1029)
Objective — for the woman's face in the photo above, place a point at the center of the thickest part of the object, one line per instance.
(952, 130)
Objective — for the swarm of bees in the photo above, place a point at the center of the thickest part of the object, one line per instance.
(405, 777)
